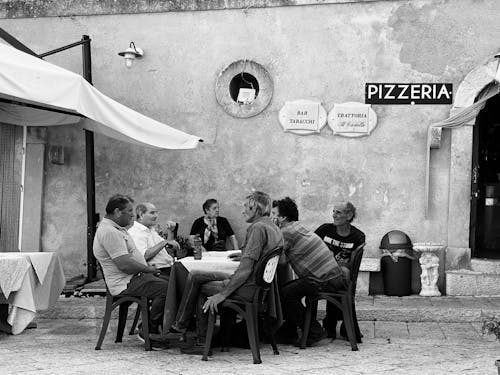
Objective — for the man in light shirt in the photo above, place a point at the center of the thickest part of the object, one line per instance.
(149, 242)
(124, 267)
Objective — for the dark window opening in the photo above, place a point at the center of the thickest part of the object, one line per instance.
(243, 80)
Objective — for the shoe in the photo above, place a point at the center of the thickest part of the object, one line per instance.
(286, 334)
(331, 334)
(315, 339)
(175, 334)
(343, 331)
(155, 340)
(331, 328)
(312, 340)
(196, 349)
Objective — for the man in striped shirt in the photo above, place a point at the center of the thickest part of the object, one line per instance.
(313, 263)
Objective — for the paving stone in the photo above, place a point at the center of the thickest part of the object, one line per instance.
(408, 301)
(428, 331)
(478, 302)
(409, 308)
(494, 301)
(364, 300)
(68, 349)
(367, 329)
(486, 337)
(390, 330)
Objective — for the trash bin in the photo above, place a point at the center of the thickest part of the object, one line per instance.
(396, 263)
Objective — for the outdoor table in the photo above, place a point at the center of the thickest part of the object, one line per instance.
(220, 267)
(216, 263)
(29, 282)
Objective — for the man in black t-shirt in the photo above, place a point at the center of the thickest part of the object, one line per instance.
(342, 238)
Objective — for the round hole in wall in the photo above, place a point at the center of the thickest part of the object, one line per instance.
(243, 81)
(244, 88)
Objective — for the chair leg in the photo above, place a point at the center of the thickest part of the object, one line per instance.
(272, 337)
(357, 331)
(122, 320)
(252, 337)
(307, 324)
(256, 323)
(105, 323)
(348, 321)
(136, 320)
(145, 323)
(208, 339)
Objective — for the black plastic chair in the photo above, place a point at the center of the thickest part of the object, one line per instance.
(265, 272)
(112, 302)
(343, 299)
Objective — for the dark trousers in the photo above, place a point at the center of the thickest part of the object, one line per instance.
(333, 314)
(165, 273)
(153, 287)
(228, 316)
(187, 307)
(292, 293)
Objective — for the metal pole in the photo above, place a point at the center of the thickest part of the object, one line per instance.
(15, 43)
(90, 171)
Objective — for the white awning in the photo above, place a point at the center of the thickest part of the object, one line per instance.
(57, 96)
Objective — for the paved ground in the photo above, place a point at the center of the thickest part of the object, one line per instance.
(66, 346)
(409, 308)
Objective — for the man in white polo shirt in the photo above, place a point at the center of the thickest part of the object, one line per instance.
(149, 242)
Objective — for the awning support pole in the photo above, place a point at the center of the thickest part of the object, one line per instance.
(90, 172)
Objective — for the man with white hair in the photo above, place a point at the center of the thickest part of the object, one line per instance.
(342, 238)
(262, 237)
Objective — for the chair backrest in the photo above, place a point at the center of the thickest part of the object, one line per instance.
(99, 267)
(355, 262)
(265, 269)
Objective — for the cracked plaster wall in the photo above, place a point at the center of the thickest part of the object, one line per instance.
(325, 53)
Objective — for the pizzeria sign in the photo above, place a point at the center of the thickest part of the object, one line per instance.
(408, 93)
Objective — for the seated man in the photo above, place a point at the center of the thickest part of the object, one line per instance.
(312, 262)
(262, 236)
(148, 241)
(342, 238)
(124, 267)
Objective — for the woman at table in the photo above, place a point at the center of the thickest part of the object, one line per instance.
(214, 230)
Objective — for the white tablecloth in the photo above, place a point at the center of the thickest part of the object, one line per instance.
(29, 282)
(212, 261)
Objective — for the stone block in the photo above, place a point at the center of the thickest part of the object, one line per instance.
(457, 258)
(426, 331)
(459, 332)
(461, 283)
(363, 284)
(472, 283)
(370, 264)
(391, 330)
(485, 265)
(488, 284)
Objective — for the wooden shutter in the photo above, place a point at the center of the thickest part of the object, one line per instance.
(10, 183)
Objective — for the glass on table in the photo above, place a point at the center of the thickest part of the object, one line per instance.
(196, 243)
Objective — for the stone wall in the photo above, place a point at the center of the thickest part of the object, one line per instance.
(319, 52)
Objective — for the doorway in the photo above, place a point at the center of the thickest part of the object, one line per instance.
(10, 186)
(485, 192)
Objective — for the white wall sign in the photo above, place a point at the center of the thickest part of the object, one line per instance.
(302, 117)
(352, 119)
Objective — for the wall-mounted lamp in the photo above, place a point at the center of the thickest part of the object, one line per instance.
(131, 53)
